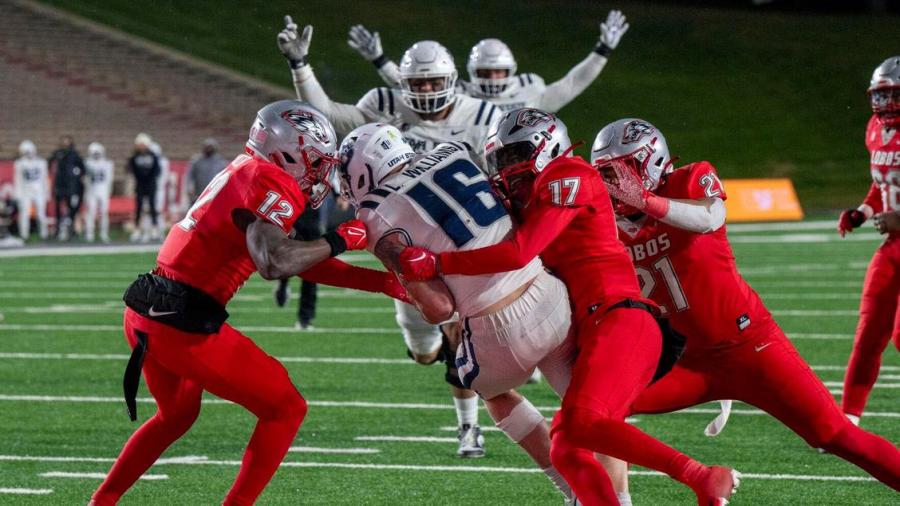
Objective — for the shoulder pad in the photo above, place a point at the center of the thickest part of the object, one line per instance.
(569, 182)
(486, 114)
(698, 180)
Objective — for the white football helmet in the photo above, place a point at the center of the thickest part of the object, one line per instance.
(491, 54)
(143, 139)
(27, 149)
(884, 91)
(298, 138)
(97, 151)
(368, 154)
(636, 143)
(430, 61)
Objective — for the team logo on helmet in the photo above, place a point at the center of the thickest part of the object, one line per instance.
(635, 131)
(306, 123)
(532, 117)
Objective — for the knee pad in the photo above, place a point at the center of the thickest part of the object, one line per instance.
(521, 421)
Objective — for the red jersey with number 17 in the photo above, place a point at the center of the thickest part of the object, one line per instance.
(692, 276)
(206, 249)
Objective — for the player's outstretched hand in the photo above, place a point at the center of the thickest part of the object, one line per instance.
(418, 264)
(354, 234)
(612, 30)
(886, 223)
(394, 288)
(626, 186)
(850, 219)
(293, 45)
(366, 43)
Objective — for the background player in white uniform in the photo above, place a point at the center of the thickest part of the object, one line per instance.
(30, 180)
(492, 69)
(511, 322)
(99, 170)
(427, 110)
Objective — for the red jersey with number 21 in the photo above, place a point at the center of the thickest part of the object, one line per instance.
(206, 249)
(693, 276)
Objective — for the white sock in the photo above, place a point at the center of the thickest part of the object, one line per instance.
(624, 498)
(559, 481)
(854, 419)
(466, 410)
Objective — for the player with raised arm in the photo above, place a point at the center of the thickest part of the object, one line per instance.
(512, 322)
(879, 309)
(565, 216)
(673, 224)
(428, 111)
(175, 315)
(492, 69)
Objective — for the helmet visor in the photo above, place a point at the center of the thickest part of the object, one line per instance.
(511, 154)
(319, 177)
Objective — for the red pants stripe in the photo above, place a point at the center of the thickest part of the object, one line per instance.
(178, 367)
(879, 322)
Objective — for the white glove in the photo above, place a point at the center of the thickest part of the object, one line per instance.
(294, 46)
(611, 32)
(365, 43)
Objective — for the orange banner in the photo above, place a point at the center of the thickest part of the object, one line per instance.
(761, 200)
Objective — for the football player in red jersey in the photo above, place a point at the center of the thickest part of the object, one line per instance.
(672, 222)
(175, 315)
(879, 311)
(565, 216)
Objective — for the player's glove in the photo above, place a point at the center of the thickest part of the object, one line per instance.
(850, 219)
(394, 288)
(293, 45)
(611, 33)
(627, 187)
(418, 264)
(350, 235)
(367, 44)
(886, 223)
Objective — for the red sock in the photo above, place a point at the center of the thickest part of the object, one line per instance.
(582, 472)
(874, 454)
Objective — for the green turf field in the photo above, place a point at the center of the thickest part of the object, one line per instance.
(62, 355)
(759, 93)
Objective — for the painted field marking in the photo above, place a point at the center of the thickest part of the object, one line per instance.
(412, 439)
(803, 238)
(349, 451)
(97, 476)
(26, 491)
(116, 307)
(248, 328)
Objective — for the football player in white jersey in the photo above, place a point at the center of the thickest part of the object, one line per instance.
(99, 170)
(492, 69)
(30, 179)
(425, 106)
(511, 322)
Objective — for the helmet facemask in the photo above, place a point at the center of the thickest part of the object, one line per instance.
(885, 103)
(313, 170)
(492, 87)
(441, 96)
(515, 172)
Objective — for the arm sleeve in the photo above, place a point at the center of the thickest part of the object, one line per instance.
(873, 200)
(344, 117)
(390, 74)
(561, 92)
(701, 216)
(540, 228)
(334, 272)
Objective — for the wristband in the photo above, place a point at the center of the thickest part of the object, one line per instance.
(657, 207)
(380, 61)
(602, 49)
(296, 64)
(337, 243)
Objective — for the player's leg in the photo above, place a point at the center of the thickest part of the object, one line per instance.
(178, 404)
(90, 219)
(771, 375)
(24, 203)
(104, 218)
(617, 359)
(154, 214)
(40, 205)
(876, 314)
(138, 209)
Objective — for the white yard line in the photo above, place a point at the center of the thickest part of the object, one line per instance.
(248, 329)
(116, 307)
(854, 296)
(26, 491)
(109, 249)
(783, 226)
(804, 238)
(97, 476)
(815, 312)
(349, 451)
(409, 439)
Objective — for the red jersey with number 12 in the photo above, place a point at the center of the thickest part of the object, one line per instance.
(206, 249)
(692, 276)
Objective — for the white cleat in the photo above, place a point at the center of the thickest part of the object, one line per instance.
(535, 377)
(471, 442)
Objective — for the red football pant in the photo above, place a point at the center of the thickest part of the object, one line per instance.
(879, 321)
(178, 367)
(616, 360)
(767, 372)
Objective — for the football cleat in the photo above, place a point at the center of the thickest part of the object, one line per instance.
(535, 377)
(717, 486)
(471, 442)
(304, 326)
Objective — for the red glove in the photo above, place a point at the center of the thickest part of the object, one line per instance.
(353, 233)
(850, 219)
(628, 188)
(418, 264)
(394, 288)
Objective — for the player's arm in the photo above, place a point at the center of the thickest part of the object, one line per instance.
(887, 222)
(334, 272)
(854, 218)
(368, 45)
(561, 92)
(543, 224)
(295, 47)
(431, 297)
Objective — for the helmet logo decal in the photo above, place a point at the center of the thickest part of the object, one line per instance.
(306, 123)
(532, 117)
(635, 131)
